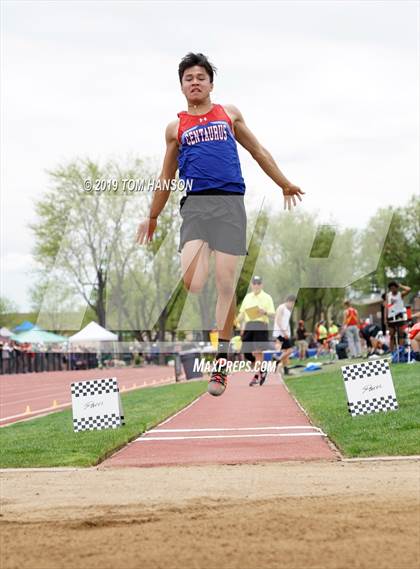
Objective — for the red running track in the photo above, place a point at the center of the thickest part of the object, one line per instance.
(48, 391)
(244, 425)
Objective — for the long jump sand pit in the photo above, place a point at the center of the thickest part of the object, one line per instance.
(280, 515)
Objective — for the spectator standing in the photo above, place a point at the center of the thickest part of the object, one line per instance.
(351, 328)
(383, 313)
(7, 356)
(282, 330)
(333, 338)
(321, 335)
(301, 335)
(256, 309)
(236, 346)
(396, 314)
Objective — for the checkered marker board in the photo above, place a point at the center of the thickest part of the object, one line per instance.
(369, 387)
(96, 404)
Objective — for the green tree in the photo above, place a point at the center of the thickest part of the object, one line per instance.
(400, 256)
(76, 233)
(284, 262)
(144, 291)
(7, 306)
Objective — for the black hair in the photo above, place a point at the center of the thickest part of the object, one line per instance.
(393, 283)
(192, 59)
(291, 298)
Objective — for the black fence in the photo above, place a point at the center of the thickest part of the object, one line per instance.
(29, 362)
(19, 361)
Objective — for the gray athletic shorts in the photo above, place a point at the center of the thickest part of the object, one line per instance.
(255, 336)
(216, 217)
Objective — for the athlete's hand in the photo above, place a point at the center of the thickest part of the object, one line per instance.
(145, 231)
(290, 194)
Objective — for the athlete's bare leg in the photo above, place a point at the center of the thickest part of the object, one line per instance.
(258, 358)
(285, 358)
(195, 264)
(225, 266)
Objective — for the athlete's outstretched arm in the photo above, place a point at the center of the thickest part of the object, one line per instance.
(147, 227)
(267, 163)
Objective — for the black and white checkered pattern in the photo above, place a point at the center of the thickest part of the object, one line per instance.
(365, 369)
(373, 405)
(98, 422)
(94, 387)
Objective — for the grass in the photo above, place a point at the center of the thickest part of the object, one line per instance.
(322, 394)
(50, 441)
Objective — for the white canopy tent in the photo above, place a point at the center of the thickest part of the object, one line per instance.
(5, 332)
(94, 336)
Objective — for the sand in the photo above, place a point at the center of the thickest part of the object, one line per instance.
(280, 515)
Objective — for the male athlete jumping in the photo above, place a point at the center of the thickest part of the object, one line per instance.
(201, 143)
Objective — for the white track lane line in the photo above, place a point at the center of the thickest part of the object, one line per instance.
(151, 439)
(214, 429)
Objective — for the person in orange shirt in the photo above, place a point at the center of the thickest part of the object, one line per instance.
(351, 329)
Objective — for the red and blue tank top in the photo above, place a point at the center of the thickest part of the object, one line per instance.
(208, 154)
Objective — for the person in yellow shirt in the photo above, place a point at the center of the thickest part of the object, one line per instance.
(254, 315)
(236, 346)
(333, 338)
(321, 336)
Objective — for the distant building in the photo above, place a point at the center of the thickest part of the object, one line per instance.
(369, 306)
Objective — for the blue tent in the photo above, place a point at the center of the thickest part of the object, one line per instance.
(24, 326)
(37, 335)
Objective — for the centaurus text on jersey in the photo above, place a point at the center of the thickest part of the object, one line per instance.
(208, 154)
(206, 134)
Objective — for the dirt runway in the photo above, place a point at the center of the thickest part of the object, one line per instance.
(280, 515)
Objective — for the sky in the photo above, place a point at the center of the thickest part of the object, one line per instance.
(331, 89)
